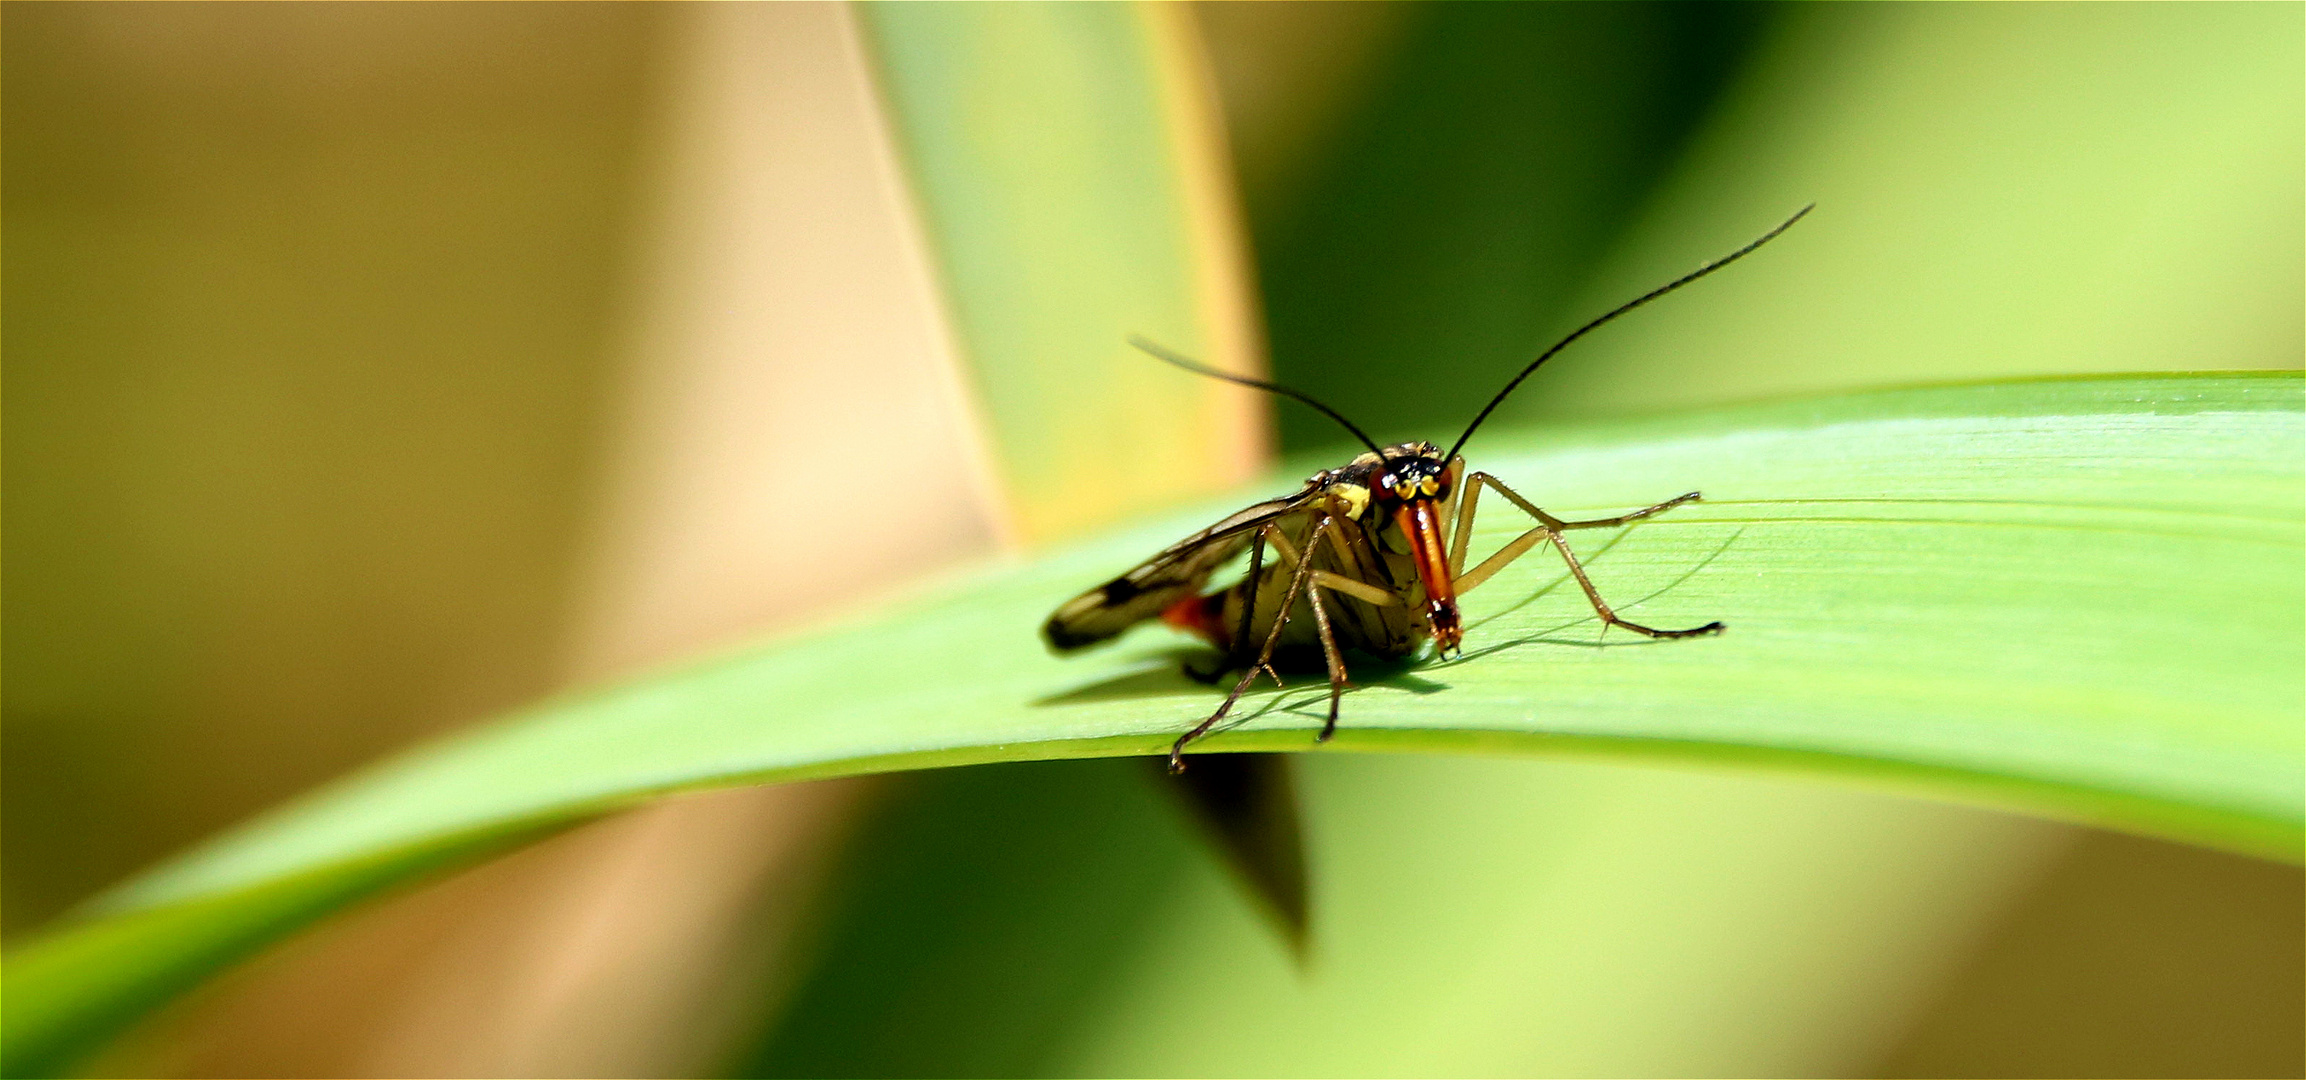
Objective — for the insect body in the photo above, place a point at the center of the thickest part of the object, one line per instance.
(1369, 555)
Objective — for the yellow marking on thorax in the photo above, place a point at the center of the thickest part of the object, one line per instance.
(1354, 496)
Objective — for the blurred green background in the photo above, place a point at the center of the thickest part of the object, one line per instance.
(319, 322)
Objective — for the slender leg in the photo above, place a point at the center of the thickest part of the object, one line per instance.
(1359, 590)
(1637, 515)
(1550, 530)
(1237, 650)
(1558, 525)
(1237, 654)
(1284, 551)
(1328, 655)
(1348, 555)
(1297, 582)
(1240, 649)
(1473, 579)
(1340, 547)
(1360, 573)
(1471, 496)
(1608, 617)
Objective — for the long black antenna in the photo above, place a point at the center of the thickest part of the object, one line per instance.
(1620, 310)
(1273, 388)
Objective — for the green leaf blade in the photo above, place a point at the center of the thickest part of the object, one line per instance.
(2075, 597)
(961, 679)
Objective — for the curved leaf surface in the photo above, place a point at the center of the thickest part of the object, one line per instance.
(2073, 597)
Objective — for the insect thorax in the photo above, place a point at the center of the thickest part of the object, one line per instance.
(1405, 471)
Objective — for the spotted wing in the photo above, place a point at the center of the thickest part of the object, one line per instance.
(1179, 571)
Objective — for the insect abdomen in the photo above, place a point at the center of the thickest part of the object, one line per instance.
(1203, 617)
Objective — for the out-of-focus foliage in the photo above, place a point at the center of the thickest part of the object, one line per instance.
(1062, 199)
(1051, 150)
(1441, 235)
(2003, 191)
(307, 338)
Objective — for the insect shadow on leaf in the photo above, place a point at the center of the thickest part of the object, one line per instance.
(1557, 635)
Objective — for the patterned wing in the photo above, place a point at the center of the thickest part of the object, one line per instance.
(1179, 571)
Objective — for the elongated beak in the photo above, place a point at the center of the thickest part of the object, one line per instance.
(1420, 521)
